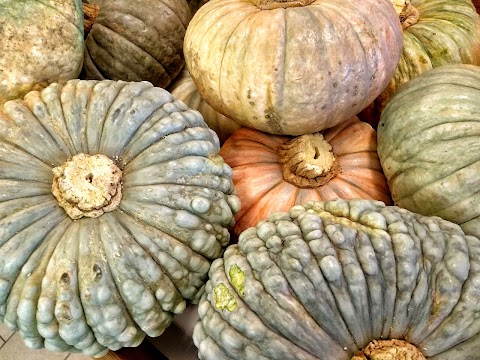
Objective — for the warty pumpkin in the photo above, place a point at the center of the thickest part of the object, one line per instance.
(40, 42)
(435, 33)
(113, 202)
(429, 145)
(184, 89)
(292, 67)
(273, 173)
(341, 280)
(135, 40)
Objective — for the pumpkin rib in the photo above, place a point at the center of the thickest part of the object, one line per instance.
(100, 58)
(441, 180)
(57, 11)
(107, 25)
(90, 65)
(149, 59)
(166, 249)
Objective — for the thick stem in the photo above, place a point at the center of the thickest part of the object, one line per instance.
(407, 13)
(90, 13)
(87, 186)
(389, 350)
(275, 4)
(308, 161)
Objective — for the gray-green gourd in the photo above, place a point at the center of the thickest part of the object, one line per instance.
(141, 204)
(327, 278)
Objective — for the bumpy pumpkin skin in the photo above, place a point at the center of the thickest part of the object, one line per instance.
(40, 42)
(94, 284)
(326, 278)
(261, 185)
(292, 71)
(136, 40)
(447, 32)
(429, 145)
(184, 89)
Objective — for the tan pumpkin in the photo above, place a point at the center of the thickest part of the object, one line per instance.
(292, 67)
(184, 89)
(273, 173)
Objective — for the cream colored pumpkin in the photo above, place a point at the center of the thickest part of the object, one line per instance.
(184, 89)
(292, 67)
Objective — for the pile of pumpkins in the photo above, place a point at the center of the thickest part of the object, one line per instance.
(306, 171)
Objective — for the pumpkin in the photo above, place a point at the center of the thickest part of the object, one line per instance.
(135, 40)
(292, 67)
(429, 145)
(344, 279)
(41, 42)
(184, 89)
(436, 33)
(113, 202)
(273, 172)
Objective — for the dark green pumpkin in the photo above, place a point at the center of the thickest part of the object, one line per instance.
(325, 279)
(135, 40)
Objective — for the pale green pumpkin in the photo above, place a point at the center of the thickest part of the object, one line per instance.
(429, 145)
(325, 279)
(435, 33)
(113, 203)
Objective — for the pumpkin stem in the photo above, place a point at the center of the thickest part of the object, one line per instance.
(389, 350)
(87, 185)
(307, 161)
(275, 4)
(407, 13)
(90, 13)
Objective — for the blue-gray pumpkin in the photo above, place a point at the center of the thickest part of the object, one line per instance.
(113, 202)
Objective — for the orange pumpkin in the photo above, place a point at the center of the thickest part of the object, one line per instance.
(273, 173)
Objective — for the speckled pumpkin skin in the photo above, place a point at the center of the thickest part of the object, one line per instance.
(429, 145)
(292, 71)
(184, 89)
(95, 284)
(40, 42)
(447, 32)
(324, 279)
(136, 40)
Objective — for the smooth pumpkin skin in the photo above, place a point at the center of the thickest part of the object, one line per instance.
(137, 40)
(325, 278)
(292, 71)
(184, 89)
(429, 145)
(102, 283)
(447, 32)
(40, 42)
(261, 186)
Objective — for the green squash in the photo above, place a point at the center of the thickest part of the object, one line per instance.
(439, 32)
(327, 278)
(113, 202)
(40, 42)
(429, 145)
(136, 40)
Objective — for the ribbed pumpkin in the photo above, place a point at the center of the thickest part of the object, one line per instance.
(292, 67)
(184, 89)
(429, 145)
(113, 202)
(273, 173)
(135, 40)
(326, 279)
(194, 5)
(40, 42)
(436, 33)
